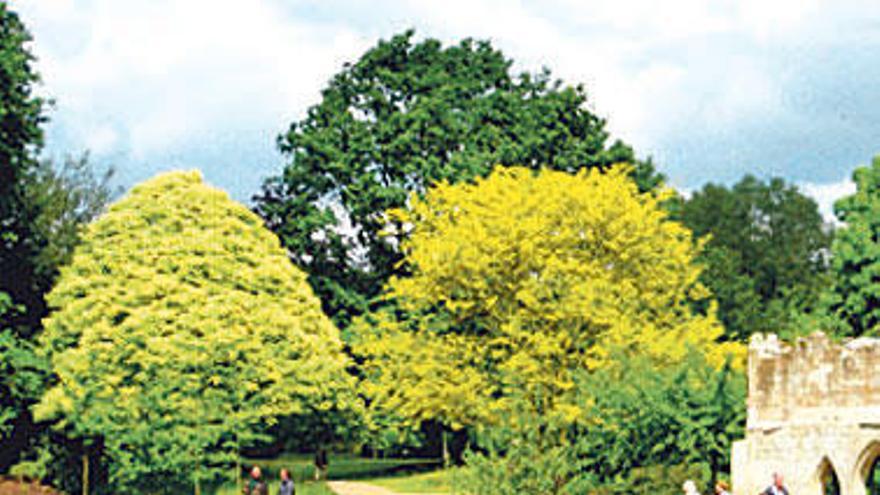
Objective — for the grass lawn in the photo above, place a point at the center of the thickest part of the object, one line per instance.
(307, 488)
(341, 467)
(439, 481)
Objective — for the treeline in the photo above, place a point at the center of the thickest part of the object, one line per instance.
(510, 290)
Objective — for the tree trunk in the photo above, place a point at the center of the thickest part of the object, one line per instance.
(237, 470)
(197, 486)
(714, 476)
(85, 471)
(445, 449)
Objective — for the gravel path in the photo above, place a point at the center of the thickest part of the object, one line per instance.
(355, 488)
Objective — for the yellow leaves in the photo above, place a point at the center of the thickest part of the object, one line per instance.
(570, 413)
(178, 295)
(546, 273)
(54, 404)
(420, 376)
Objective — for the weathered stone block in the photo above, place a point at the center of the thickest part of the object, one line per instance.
(813, 410)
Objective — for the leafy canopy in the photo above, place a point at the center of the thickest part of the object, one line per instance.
(41, 208)
(854, 298)
(645, 421)
(685, 413)
(21, 111)
(765, 255)
(405, 115)
(521, 280)
(21, 375)
(179, 331)
(21, 136)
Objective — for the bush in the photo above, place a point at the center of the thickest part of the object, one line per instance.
(648, 428)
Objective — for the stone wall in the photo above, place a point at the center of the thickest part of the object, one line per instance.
(813, 407)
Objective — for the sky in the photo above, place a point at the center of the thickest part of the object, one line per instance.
(712, 90)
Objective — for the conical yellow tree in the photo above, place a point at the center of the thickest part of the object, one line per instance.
(179, 331)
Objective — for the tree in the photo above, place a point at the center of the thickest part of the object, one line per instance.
(179, 331)
(22, 111)
(527, 453)
(42, 206)
(766, 254)
(54, 202)
(643, 415)
(64, 198)
(406, 115)
(644, 422)
(21, 375)
(520, 281)
(21, 136)
(411, 377)
(853, 299)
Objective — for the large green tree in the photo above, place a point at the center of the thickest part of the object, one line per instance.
(180, 331)
(56, 200)
(405, 115)
(42, 206)
(853, 300)
(766, 255)
(21, 136)
(21, 111)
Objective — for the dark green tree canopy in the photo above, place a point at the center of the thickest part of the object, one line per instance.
(42, 206)
(21, 114)
(403, 116)
(21, 111)
(767, 254)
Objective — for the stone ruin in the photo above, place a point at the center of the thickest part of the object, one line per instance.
(813, 416)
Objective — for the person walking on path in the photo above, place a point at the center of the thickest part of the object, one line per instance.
(287, 487)
(690, 488)
(722, 488)
(778, 486)
(320, 464)
(256, 485)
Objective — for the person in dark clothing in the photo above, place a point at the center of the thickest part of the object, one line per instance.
(287, 487)
(256, 485)
(320, 464)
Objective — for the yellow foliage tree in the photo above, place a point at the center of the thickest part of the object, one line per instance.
(179, 331)
(521, 280)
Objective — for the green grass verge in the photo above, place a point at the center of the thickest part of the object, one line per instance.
(341, 467)
(439, 481)
(306, 488)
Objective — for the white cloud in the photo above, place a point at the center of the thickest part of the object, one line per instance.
(102, 139)
(167, 70)
(152, 77)
(827, 193)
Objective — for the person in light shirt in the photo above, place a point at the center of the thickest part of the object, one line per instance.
(690, 488)
(722, 488)
(286, 487)
(778, 486)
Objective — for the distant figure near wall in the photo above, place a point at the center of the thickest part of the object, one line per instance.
(813, 416)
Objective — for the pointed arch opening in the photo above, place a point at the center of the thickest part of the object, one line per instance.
(828, 478)
(869, 468)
